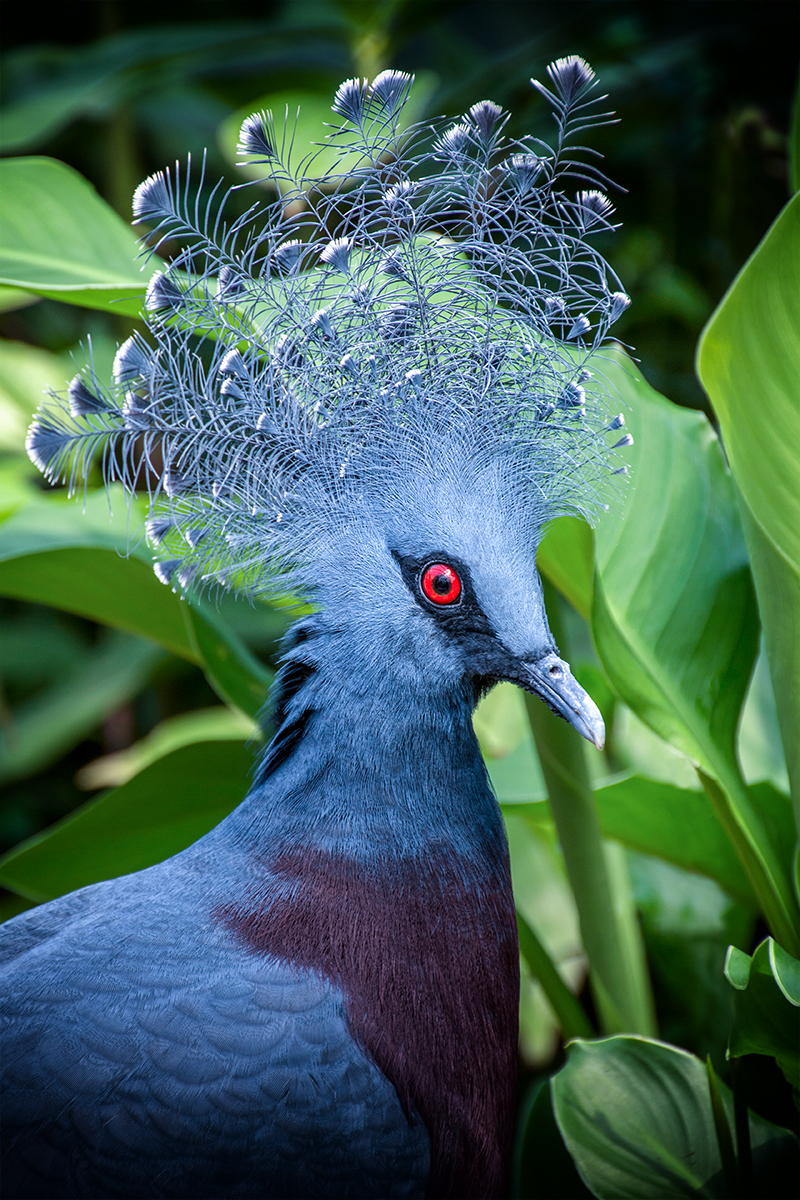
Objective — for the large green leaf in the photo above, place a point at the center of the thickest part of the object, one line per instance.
(51, 553)
(58, 238)
(749, 363)
(678, 825)
(767, 1019)
(674, 616)
(235, 674)
(217, 724)
(26, 373)
(637, 1119)
(36, 733)
(675, 824)
(158, 813)
(566, 557)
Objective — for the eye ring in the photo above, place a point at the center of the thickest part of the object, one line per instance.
(440, 584)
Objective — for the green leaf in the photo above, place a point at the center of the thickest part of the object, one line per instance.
(679, 825)
(39, 731)
(235, 674)
(767, 1008)
(737, 968)
(636, 1116)
(58, 238)
(674, 824)
(12, 298)
(571, 1017)
(26, 372)
(158, 813)
(566, 557)
(218, 724)
(674, 616)
(51, 553)
(749, 363)
(760, 749)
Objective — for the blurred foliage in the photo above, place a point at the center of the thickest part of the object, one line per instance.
(703, 89)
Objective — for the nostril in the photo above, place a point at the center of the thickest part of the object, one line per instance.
(555, 670)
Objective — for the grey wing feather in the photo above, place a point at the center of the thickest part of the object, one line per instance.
(147, 1054)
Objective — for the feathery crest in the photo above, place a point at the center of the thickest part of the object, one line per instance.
(435, 303)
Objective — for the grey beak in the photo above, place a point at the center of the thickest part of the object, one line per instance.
(551, 680)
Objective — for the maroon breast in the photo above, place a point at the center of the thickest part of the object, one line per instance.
(425, 950)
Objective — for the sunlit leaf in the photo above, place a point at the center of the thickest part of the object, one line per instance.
(767, 1012)
(566, 557)
(58, 238)
(674, 616)
(235, 674)
(675, 824)
(309, 120)
(52, 553)
(36, 733)
(26, 373)
(637, 1119)
(13, 298)
(158, 813)
(749, 363)
(218, 724)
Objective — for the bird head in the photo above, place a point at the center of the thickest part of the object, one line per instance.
(373, 391)
(436, 591)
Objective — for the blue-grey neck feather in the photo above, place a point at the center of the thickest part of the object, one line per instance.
(399, 772)
(432, 304)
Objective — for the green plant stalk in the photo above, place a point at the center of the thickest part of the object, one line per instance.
(734, 808)
(611, 937)
(571, 1017)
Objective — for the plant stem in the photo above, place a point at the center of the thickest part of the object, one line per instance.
(571, 1017)
(597, 872)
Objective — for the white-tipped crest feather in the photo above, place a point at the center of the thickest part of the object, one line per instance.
(439, 301)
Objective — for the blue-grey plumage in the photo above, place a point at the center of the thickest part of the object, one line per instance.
(381, 405)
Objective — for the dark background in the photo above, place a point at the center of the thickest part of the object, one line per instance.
(703, 89)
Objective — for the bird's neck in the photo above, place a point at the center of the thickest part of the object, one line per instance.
(378, 858)
(371, 763)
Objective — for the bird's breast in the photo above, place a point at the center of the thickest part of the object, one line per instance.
(424, 948)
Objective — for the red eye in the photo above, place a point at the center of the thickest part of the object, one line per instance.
(441, 584)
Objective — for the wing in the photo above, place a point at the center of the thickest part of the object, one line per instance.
(144, 1053)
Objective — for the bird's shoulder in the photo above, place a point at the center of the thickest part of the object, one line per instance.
(143, 1039)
